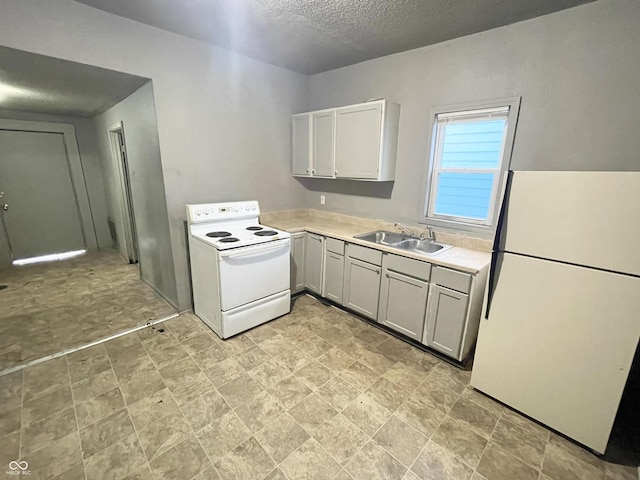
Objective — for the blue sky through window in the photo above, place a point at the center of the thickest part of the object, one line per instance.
(474, 145)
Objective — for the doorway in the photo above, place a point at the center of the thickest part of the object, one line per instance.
(39, 205)
(127, 240)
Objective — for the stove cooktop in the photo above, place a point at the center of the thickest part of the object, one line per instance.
(234, 236)
(230, 225)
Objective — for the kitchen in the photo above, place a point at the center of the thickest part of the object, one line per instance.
(575, 71)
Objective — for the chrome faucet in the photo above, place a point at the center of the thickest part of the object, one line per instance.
(404, 230)
(430, 236)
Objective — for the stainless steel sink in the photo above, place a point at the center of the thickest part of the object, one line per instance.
(404, 242)
(390, 239)
(424, 247)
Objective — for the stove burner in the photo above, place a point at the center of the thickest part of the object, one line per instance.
(254, 228)
(266, 233)
(218, 234)
(229, 239)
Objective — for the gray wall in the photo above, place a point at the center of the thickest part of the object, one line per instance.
(91, 166)
(577, 71)
(223, 119)
(137, 112)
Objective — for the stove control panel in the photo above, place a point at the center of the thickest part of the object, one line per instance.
(207, 212)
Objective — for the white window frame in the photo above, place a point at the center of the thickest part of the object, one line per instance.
(504, 108)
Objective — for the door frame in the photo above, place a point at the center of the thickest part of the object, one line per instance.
(117, 142)
(76, 170)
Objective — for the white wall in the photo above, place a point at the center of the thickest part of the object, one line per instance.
(577, 71)
(137, 112)
(223, 119)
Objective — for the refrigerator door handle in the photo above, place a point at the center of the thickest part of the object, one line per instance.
(504, 205)
(497, 243)
(491, 284)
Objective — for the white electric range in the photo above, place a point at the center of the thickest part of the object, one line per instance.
(239, 268)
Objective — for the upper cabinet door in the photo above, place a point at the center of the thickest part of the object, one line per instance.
(358, 141)
(301, 144)
(323, 135)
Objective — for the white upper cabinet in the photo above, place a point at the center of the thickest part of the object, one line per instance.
(323, 125)
(356, 142)
(366, 141)
(301, 144)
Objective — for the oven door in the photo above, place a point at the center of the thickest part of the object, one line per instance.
(251, 273)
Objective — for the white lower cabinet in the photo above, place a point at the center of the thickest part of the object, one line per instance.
(362, 280)
(297, 261)
(446, 318)
(403, 295)
(333, 278)
(436, 306)
(447, 311)
(313, 265)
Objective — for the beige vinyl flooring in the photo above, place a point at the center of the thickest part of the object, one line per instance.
(317, 394)
(51, 307)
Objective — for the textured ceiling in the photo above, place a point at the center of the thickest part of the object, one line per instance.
(36, 83)
(312, 36)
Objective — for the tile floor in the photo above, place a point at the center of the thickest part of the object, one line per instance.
(317, 394)
(50, 307)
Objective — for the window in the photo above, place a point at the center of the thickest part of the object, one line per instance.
(470, 150)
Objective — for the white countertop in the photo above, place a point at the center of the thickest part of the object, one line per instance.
(345, 228)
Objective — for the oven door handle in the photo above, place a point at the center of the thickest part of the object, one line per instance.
(255, 250)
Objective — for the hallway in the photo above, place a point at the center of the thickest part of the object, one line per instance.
(50, 307)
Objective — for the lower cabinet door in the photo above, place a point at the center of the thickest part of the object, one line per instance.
(297, 261)
(446, 316)
(362, 287)
(333, 277)
(403, 303)
(314, 250)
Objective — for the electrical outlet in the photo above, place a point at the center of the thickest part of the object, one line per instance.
(322, 199)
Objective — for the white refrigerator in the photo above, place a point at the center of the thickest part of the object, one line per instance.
(562, 312)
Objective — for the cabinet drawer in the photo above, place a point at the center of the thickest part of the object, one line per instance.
(407, 266)
(365, 254)
(335, 246)
(452, 279)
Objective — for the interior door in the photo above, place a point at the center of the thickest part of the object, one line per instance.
(40, 210)
(128, 244)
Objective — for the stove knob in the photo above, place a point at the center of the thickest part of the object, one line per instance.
(246, 208)
(253, 207)
(206, 210)
(198, 211)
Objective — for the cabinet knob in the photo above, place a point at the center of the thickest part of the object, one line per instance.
(307, 170)
(313, 171)
(335, 172)
(378, 272)
(386, 275)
